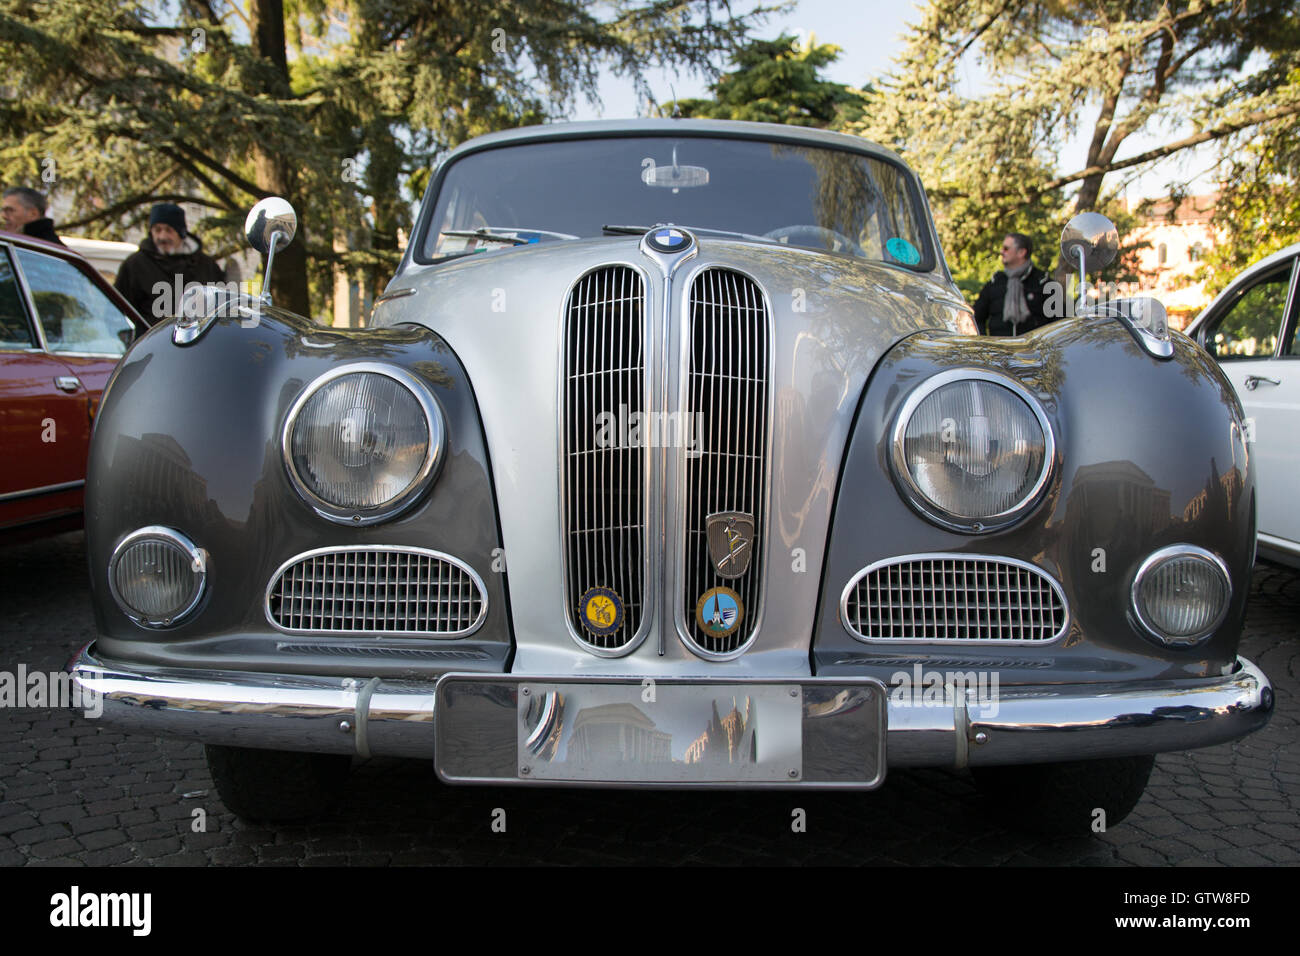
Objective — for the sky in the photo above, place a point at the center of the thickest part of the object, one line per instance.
(870, 33)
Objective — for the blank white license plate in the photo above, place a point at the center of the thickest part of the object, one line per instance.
(668, 733)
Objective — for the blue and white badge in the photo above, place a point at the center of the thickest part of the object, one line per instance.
(719, 612)
(668, 239)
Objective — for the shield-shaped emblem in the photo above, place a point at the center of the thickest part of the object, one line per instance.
(731, 541)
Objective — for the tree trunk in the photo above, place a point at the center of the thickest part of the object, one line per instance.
(382, 172)
(273, 173)
(1089, 191)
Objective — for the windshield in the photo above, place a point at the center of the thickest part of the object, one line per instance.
(818, 198)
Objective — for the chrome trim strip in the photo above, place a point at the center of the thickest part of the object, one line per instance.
(649, 556)
(668, 263)
(917, 499)
(388, 549)
(1159, 557)
(1034, 723)
(434, 421)
(1278, 544)
(395, 294)
(43, 490)
(852, 628)
(95, 355)
(198, 564)
(759, 562)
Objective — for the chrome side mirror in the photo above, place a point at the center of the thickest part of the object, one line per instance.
(270, 225)
(1089, 240)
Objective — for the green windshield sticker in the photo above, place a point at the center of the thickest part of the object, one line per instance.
(903, 251)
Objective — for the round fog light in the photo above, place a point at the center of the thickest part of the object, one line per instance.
(157, 576)
(1181, 594)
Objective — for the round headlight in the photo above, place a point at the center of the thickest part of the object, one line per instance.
(157, 576)
(972, 450)
(1181, 594)
(362, 443)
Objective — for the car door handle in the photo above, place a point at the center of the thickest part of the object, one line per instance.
(67, 383)
(1252, 381)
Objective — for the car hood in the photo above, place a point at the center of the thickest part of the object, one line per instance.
(503, 314)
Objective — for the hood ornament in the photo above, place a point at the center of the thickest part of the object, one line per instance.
(731, 542)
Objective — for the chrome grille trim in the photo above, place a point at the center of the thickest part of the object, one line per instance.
(727, 370)
(604, 491)
(365, 650)
(954, 598)
(376, 589)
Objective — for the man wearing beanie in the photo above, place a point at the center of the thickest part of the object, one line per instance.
(168, 261)
(1015, 300)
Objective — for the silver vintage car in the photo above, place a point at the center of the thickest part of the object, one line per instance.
(672, 459)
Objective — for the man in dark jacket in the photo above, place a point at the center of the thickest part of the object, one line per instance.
(1015, 300)
(154, 278)
(24, 212)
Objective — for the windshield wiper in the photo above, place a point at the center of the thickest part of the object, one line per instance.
(617, 230)
(488, 234)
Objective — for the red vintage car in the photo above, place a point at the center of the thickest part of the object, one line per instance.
(62, 330)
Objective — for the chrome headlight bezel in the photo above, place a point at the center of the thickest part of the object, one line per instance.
(198, 559)
(435, 424)
(1153, 562)
(911, 491)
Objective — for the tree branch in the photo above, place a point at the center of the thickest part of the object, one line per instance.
(115, 210)
(1215, 132)
(231, 177)
(1107, 116)
(982, 29)
(234, 8)
(202, 177)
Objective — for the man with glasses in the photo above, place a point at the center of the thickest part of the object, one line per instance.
(24, 212)
(1015, 300)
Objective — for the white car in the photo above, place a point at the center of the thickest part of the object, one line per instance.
(1251, 329)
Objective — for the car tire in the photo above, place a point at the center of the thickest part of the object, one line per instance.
(1062, 799)
(276, 786)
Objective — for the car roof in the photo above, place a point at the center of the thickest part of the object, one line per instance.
(1263, 265)
(688, 127)
(63, 252)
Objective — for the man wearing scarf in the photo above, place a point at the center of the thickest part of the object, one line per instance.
(1014, 301)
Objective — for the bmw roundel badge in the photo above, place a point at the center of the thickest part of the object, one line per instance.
(668, 239)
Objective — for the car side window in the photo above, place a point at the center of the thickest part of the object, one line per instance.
(1291, 347)
(15, 330)
(1252, 323)
(74, 313)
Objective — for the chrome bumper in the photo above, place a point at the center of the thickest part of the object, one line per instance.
(1032, 724)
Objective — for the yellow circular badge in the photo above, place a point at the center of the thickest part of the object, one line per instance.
(602, 611)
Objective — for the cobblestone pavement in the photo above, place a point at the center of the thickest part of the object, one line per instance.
(72, 792)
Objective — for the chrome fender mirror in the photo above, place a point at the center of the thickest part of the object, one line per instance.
(1091, 241)
(270, 225)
